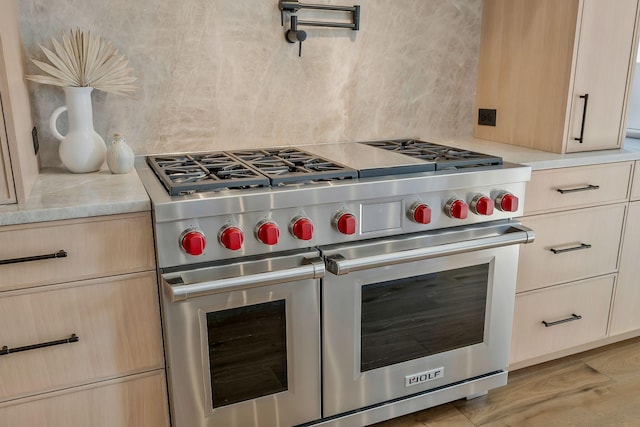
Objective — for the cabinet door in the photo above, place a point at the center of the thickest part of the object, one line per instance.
(7, 192)
(133, 401)
(601, 72)
(560, 317)
(626, 306)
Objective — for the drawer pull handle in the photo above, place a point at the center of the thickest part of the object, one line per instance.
(584, 117)
(6, 350)
(59, 254)
(557, 322)
(575, 248)
(575, 190)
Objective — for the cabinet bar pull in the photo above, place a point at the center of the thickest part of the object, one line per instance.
(557, 322)
(575, 190)
(584, 117)
(59, 254)
(6, 350)
(575, 248)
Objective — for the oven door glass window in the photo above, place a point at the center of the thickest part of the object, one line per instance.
(418, 316)
(247, 352)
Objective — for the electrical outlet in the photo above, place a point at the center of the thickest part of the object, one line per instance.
(486, 117)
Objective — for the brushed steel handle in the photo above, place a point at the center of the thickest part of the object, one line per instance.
(558, 322)
(59, 254)
(584, 117)
(6, 350)
(575, 190)
(339, 265)
(180, 291)
(575, 248)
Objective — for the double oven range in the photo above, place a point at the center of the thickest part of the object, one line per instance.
(334, 284)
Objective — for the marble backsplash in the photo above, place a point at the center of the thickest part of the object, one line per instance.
(218, 74)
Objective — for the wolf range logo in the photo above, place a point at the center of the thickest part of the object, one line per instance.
(423, 377)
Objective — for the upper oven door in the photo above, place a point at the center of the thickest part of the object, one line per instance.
(406, 315)
(243, 342)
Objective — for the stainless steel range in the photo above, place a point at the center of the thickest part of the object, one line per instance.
(334, 284)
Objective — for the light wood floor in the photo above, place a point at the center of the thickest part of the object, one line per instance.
(598, 388)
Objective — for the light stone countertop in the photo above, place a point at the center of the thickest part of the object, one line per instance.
(59, 194)
(539, 160)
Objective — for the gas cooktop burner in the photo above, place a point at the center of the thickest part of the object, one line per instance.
(444, 157)
(190, 173)
(292, 165)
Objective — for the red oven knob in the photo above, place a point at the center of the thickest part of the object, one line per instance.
(231, 238)
(507, 202)
(420, 213)
(456, 208)
(268, 232)
(482, 205)
(346, 223)
(302, 228)
(193, 242)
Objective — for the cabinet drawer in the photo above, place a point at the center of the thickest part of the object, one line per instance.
(570, 246)
(589, 299)
(95, 247)
(568, 188)
(117, 322)
(136, 401)
(635, 183)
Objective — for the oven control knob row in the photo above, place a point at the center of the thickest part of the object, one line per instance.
(268, 232)
(193, 242)
(302, 228)
(456, 208)
(420, 213)
(345, 222)
(231, 237)
(482, 205)
(507, 202)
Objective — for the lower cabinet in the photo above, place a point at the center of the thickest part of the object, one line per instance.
(115, 320)
(560, 317)
(80, 333)
(136, 401)
(578, 284)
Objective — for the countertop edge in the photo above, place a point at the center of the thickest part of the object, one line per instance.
(540, 160)
(60, 195)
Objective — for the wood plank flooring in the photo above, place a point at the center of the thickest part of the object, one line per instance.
(598, 388)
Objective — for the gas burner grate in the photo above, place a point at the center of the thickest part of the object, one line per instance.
(294, 166)
(191, 173)
(445, 158)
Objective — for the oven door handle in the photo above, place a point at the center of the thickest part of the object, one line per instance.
(339, 265)
(177, 290)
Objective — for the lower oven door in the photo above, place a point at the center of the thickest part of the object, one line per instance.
(408, 315)
(243, 342)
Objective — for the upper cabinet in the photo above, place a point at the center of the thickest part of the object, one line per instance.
(557, 72)
(18, 161)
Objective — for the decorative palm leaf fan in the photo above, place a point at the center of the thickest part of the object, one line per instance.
(84, 60)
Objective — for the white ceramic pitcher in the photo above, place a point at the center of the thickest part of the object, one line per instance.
(81, 149)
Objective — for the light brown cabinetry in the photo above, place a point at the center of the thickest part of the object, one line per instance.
(547, 320)
(625, 315)
(18, 161)
(567, 277)
(98, 305)
(557, 72)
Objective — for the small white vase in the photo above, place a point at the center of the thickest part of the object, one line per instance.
(81, 150)
(119, 155)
